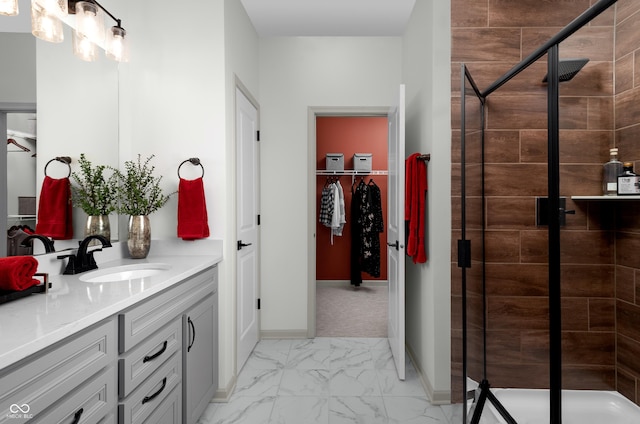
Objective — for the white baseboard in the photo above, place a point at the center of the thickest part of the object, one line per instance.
(283, 334)
(340, 283)
(439, 397)
(223, 395)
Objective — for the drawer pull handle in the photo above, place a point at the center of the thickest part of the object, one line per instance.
(153, 396)
(193, 327)
(155, 355)
(77, 415)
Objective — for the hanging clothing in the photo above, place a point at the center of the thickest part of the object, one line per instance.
(367, 224)
(332, 208)
(337, 224)
(415, 208)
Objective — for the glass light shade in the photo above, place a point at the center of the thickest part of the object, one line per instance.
(44, 25)
(84, 48)
(9, 7)
(57, 8)
(117, 46)
(90, 21)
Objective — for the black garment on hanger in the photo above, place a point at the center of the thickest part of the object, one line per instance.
(367, 224)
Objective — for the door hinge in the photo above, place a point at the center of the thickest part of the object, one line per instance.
(258, 219)
(258, 303)
(258, 135)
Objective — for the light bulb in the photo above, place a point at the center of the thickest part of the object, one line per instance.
(90, 21)
(117, 46)
(84, 48)
(9, 7)
(44, 25)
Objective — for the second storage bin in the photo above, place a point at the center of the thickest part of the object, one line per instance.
(362, 161)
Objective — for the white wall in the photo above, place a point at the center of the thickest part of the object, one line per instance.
(426, 72)
(297, 73)
(177, 102)
(18, 82)
(77, 105)
(241, 58)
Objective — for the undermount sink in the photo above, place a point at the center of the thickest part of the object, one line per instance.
(124, 272)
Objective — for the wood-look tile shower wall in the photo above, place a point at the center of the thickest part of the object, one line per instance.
(599, 242)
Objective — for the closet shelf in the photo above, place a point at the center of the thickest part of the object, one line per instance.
(351, 172)
(21, 217)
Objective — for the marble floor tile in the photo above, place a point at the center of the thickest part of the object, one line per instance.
(319, 359)
(413, 410)
(354, 382)
(300, 409)
(267, 359)
(244, 410)
(252, 382)
(391, 386)
(350, 410)
(327, 381)
(351, 358)
(304, 383)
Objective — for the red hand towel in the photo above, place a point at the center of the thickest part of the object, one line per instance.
(192, 210)
(55, 209)
(16, 272)
(415, 197)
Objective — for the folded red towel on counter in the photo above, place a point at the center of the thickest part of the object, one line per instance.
(193, 221)
(55, 209)
(16, 272)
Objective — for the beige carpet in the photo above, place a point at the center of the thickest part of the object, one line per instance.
(347, 311)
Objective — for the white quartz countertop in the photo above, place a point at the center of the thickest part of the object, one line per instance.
(35, 322)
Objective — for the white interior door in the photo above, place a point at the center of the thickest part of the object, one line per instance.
(247, 227)
(395, 234)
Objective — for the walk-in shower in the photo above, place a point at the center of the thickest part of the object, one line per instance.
(493, 296)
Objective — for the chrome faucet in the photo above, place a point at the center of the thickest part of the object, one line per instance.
(48, 243)
(83, 260)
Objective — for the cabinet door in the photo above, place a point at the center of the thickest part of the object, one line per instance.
(200, 356)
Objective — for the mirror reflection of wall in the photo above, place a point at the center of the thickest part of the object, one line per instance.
(21, 168)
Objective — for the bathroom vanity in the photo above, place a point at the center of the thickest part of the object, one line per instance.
(127, 348)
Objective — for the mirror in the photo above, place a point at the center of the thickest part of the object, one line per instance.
(77, 112)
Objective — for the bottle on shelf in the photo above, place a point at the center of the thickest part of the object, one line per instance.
(610, 173)
(628, 181)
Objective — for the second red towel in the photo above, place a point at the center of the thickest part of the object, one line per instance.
(55, 209)
(193, 221)
(16, 272)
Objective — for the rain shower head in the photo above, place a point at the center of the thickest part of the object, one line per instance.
(568, 68)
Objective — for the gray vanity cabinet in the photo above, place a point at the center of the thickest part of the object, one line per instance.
(71, 381)
(200, 356)
(168, 353)
(155, 362)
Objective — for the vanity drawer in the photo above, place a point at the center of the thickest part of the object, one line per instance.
(140, 362)
(149, 395)
(42, 380)
(139, 322)
(170, 410)
(88, 404)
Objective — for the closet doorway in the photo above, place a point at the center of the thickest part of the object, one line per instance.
(351, 261)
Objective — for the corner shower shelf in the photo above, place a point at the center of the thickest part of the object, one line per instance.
(608, 198)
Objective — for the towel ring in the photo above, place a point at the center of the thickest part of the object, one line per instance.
(194, 162)
(64, 159)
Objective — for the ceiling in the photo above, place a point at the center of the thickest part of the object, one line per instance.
(329, 17)
(290, 18)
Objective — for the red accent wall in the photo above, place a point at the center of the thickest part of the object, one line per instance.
(349, 135)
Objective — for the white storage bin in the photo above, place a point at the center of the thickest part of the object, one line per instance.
(335, 161)
(362, 161)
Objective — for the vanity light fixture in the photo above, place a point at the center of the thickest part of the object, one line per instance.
(90, 21)
(84, 48)
(115, 43)
(9, 7)
(45, 24)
